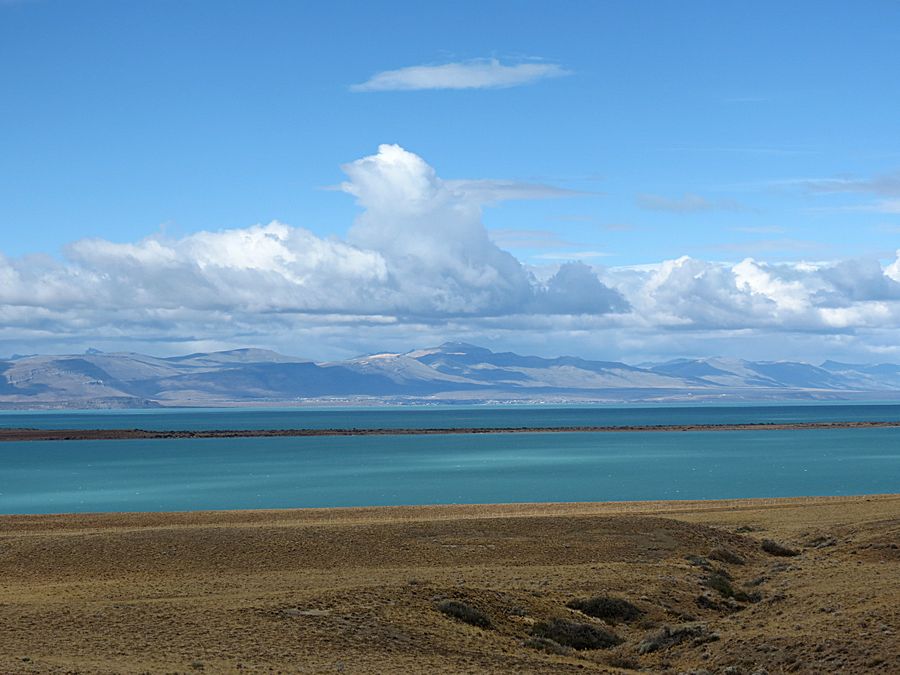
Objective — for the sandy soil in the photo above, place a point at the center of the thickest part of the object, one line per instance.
(357, 590)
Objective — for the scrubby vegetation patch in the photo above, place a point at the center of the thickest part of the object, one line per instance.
(699, 561)
(465, 613)
(722, 585)
(547, 645)
(666, 637)
(726, 556)
(611, 610)
(774, 548)
(575, 634)
(623, 662)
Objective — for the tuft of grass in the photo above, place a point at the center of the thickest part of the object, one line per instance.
(724, 555)
(575, 634)
(623, 662)
(721, 584)
(698, 561)
(669, 637)
(753, 596)
(611, 610)
(465, 613)
(547, 645)
(774, 548)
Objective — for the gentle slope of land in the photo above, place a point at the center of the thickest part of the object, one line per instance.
(359, 590)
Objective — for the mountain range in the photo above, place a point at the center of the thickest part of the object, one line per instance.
(454, 372)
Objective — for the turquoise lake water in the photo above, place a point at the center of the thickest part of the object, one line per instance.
(164, 475)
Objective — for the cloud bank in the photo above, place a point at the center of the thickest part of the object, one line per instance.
(418, 265)
(474, 74)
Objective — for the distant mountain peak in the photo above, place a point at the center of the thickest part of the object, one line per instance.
(464, 346)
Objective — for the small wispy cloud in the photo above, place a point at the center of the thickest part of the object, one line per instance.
(888, 184)
(769, 246)
(760, 229)
(542, 240)
(884, 206)
(530, 239)
(572, 255)
(473, 74)
(487, 191)
(688, 203)
(888, 206)
(742, 149)
(490, 190)
(592, 220)
(888, 228)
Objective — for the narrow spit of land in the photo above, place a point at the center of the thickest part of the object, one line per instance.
(14, 434)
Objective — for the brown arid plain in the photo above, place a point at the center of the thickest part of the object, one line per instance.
(679, 587)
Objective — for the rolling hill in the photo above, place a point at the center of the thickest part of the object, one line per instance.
(451, 372)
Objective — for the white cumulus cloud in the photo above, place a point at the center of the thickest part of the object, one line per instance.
(418, 262)
(417, 252)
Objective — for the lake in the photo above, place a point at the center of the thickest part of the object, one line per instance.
(245, 473)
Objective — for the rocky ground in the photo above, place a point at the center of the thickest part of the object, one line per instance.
(755, 586)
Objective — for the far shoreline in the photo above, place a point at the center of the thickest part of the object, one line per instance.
(30, 434)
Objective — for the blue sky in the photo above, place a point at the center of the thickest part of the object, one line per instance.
(640, 132)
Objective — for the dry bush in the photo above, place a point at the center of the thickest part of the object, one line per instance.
(465, 613)
(774, 548)
(669, 637)
(611, 610)
(547, 645)
(575, 634)
(724, 555)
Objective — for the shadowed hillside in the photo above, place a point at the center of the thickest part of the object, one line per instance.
(453, 372)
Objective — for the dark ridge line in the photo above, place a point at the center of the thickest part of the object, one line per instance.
(133, 434)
